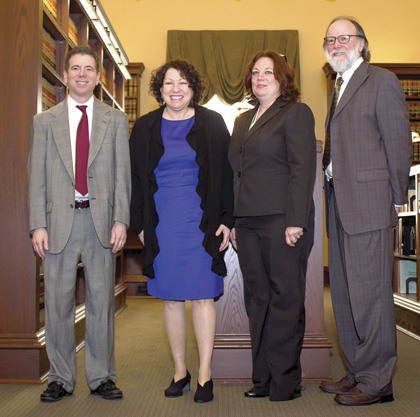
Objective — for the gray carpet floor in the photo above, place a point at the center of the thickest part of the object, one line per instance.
(144, 370)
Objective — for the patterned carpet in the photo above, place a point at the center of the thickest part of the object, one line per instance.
(144, 369)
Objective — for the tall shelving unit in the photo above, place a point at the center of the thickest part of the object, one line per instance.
(132, 92)
(407, 260)
(133, 256)
(39, 35)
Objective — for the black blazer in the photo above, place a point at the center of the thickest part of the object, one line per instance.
(209, 137)
(274, 162)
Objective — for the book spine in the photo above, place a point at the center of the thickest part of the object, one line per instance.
(49, 98)
(48, 49)
(73, 32)
(103, 76)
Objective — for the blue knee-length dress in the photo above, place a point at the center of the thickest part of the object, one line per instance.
(182, 266)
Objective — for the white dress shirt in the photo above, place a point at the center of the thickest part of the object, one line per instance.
(346, 76)
(75, 116)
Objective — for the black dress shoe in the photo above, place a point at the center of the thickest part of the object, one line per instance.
(204, 394)
(176, 388)
(107, 390)
(252, 394)
(54, 392)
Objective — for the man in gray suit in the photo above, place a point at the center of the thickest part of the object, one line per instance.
(367, 159)
(79, 215)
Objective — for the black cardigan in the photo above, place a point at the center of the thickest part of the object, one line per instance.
(209, 138)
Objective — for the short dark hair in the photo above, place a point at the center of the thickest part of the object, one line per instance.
(187, 71)
(82, 50)
(283, 73)
(359, 32)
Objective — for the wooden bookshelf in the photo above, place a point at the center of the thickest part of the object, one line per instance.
(40, 34)
(406, 265)
(72, 18)
(409, 76)
(132, 92)
(133, 255)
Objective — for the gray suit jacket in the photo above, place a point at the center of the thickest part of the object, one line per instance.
(51, 178)
(371, 150)
(274, 162)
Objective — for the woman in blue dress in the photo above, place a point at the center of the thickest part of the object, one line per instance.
(182, 203)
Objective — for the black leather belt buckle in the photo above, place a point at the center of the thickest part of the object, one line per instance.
(81, 204)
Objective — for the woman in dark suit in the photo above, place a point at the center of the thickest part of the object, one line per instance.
(273, 156)
(181, 208)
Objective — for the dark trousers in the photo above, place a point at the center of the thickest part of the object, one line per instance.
(361, 291)
(274, 288)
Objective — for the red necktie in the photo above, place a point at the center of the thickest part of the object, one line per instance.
(82, 152)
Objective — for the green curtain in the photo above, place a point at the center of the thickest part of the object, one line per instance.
(221, 55)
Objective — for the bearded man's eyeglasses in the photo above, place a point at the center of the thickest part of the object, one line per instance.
(343, 39)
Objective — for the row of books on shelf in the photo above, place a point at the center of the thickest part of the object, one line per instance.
(416, 150)
(103, 76)
(131, 87)
(130, 125)
(414, 109)
(415, 127)
(49, 52)
(51, 5)
(131, 108)
(412, 202)
(73, 31)
(407, 280)
(411, 88)
(405, 236)
(49, 98)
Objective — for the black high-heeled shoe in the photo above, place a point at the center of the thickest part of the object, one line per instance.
(176, 388)
(204, 394)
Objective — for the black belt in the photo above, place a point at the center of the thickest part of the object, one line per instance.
(81, 204)
(331, 182)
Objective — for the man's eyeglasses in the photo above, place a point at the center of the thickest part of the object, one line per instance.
(343, 39)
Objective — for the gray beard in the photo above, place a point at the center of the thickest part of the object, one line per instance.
(344, 64)
(340, 67)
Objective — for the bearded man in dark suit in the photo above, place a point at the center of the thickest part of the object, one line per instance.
(367, 159)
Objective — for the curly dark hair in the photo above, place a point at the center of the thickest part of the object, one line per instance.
(187, 71)
(283, 73)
